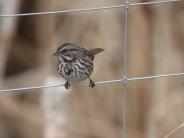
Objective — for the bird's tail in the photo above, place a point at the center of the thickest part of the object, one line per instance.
(95, 51)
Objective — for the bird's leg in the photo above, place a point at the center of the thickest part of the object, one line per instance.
(67, 85)
(91, 83)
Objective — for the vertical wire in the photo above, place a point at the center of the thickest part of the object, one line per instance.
(126, 37)
(124, 111)
(125, 50)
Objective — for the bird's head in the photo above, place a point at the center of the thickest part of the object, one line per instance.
(66, 52)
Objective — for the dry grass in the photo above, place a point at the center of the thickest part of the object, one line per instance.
(154, 108)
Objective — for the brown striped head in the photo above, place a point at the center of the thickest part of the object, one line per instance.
(69, 52)
(66, 51)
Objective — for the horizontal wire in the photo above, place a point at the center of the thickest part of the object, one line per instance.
(31, 88)
(155, 76)
(62, 11)
(97, 83)
(85, 9)
(57, 85)
(153, 2)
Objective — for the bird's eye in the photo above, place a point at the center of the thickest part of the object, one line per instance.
(64, 51)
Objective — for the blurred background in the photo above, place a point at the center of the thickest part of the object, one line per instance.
(156, 46)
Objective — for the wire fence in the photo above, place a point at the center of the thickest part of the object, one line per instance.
(125, 79)
(121, 80)
(85, 9)
(125, 57)
(126, 5)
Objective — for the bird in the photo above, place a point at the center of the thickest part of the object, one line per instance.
(75, 63)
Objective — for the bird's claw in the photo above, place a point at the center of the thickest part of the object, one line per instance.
(67, 85)
(91, 83)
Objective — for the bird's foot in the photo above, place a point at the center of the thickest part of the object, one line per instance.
(91, 83)
(67, 85)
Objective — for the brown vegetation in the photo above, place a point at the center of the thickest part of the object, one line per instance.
(155, 38)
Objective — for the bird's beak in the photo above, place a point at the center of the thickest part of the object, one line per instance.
(55, 54)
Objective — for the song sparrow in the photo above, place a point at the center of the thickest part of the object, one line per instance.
(75, 63)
